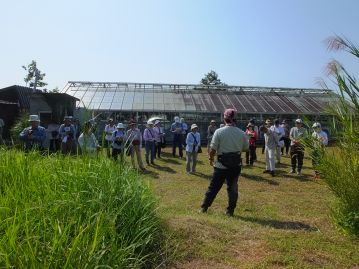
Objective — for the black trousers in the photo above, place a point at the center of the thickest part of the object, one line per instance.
(251, 154)
(177, 142)
(297, 156)
(219, 176)
(116, 152)
(158, 149)
(286, 145)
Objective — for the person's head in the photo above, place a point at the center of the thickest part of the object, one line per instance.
(149, 124)
(177, 119)
(317, 127)
(276, 122)
(182, 120)
(268, 122)
(157, 123)
(67, 120)
(110, 121)
(120, 126)
(250, 126)
(194, 128)
(263, 129)
(213, 122)
(252, 121)
(88, 128)
(132, 124)
(34, 121)
(298, 123)
(229, 116)
(284, 122)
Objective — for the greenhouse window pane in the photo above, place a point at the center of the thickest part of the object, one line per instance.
(116, 106)
(148, 106)
(105, 105)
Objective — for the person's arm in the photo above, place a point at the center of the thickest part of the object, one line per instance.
(189, 140)
(80, 140)
(255, 135)
(173, 128)
(291, 133)
(24, 134)
(199, 139)
(145, 135)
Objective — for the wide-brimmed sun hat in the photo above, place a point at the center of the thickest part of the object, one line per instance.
(120, 126)
(316, 125)
(34, 118)
(149, 122)
(298, 121)
(193, 126)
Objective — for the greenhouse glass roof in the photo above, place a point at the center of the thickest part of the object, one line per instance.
(146, 97)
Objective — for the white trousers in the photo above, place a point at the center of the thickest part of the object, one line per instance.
(270, 158)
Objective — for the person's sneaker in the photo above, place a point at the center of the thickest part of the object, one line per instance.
(202, 210)
(229, 213)
(266, 171)
(299, 173)
(292, 171)
(153, 163)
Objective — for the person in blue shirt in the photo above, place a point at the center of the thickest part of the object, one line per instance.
(35, 135)
(177, 130)
(193, 142)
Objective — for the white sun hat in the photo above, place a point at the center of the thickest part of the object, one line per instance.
(150, 122)
(316, 125)
(34, 118)
(120, 126)
(194, 126)
(298, 121)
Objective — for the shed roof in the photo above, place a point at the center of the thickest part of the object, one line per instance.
(154, 97)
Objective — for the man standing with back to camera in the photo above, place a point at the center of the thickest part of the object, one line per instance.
(228, 143)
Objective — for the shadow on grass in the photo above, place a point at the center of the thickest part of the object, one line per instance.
(171, 161)
(165, 169)
(303, 178)
(205, 176)
(259, 179)
(150, 173)
(281, 225)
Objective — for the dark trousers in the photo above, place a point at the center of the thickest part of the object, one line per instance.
(263, 147)
(150, 151)
(297, 156)
(177, 142)
(219, 176)
(251, 155)
(286, 145)
(116, 152)
(158, 148)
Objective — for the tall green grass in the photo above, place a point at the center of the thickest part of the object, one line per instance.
(341, 167)
(66, 212)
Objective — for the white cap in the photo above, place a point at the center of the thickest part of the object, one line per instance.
(150, 122)
(194, 126)
(177, 119)
(316, 125)
(120, 126)
(298, 121)
(34, 118)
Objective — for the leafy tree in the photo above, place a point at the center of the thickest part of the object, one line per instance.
(34, 76)
(211, 78)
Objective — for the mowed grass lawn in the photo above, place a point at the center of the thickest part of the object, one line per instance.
(280, 222)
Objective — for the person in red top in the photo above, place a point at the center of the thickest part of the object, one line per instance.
(252, 135)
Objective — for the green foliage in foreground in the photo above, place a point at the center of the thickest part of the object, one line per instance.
(341, 168)
(74, 213)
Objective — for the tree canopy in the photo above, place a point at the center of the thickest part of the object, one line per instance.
(211, 78)
(34, 76)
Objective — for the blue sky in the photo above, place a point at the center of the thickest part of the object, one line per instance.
(252, 43)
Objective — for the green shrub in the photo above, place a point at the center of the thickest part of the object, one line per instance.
(76, 213)
(341, 167)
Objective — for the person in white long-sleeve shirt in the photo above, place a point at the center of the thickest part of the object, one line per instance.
(271, 144)
(280, 133)
(193, 142)
(320, 142)
(87, 140)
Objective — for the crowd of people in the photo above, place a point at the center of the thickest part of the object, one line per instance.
(227, 142)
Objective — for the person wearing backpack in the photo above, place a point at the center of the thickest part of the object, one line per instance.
(227, 143)
(193, 143)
